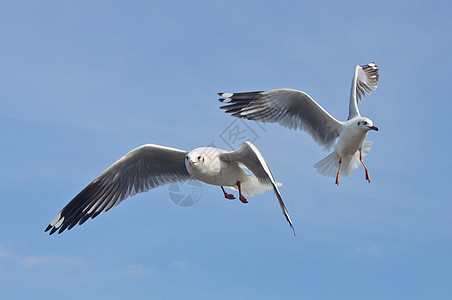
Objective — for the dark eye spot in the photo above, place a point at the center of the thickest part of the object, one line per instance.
(359, 123)
(199, 157)
(186, 157)
(365, 123)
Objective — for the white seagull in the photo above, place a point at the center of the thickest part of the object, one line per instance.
(295, 109)
(150, 166)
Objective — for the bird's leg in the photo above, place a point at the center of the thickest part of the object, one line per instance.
(228, 196)
(241, 198)
(367, 172)
(339, 170)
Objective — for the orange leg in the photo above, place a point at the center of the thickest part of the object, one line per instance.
(339, 171)
(228, 196)
(367, 172)
(241, 198)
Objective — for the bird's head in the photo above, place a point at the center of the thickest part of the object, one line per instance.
(195, 159)
(366, 124)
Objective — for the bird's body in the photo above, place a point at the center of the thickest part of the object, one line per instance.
(351, 143)
(297, 110)
(150, 166)
(216, 171)
(351, 138)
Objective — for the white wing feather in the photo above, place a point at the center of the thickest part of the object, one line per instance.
(288, 107)
(138, 171)
(250, 156)
(365, 79)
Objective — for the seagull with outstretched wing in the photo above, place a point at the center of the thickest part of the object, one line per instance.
(297, 110)
(150, 166)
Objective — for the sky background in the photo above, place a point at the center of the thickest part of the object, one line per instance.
(84, 82)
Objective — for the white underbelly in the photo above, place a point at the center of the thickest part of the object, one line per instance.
(348, 145)
(227, 175)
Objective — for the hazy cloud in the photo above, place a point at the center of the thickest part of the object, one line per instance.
(134, 271)
(31, 261)
(180, 264)
(7, 252)
(368, 249)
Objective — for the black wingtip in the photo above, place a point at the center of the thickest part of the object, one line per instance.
(291, 225)
(53, 230)
(48, 228)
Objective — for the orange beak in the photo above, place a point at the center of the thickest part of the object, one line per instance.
(373, 128)
(192, 163)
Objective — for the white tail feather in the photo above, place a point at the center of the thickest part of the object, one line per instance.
(367, 145)
(329, 165)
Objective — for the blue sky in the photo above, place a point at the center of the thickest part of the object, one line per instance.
(84, 82)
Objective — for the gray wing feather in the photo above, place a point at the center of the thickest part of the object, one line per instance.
(138, 171)
(250, 156)
(365, 79)
(288, 107)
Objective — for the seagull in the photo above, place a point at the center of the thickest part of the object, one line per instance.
(295, 109)
(150, 166)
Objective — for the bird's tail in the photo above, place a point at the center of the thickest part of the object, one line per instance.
(330, 164)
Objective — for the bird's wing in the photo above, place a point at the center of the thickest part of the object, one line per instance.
(250, 156)
(289, 108)
(365, 79)
(138, 171)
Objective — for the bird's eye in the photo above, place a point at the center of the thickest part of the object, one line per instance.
(359, 123)
(186, 157)
(365, 123)
(199, 157)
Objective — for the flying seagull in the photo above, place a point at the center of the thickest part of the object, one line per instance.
(150, 166)
(297, 110)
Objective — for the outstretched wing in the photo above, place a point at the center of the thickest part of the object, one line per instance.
(365, 79)
(250, 156)
(138, 171)
(289, 108)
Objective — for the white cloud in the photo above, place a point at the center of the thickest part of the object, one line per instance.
(8, 253)
(368, 249)
(134, 271)
(31, 261)
(180, 264)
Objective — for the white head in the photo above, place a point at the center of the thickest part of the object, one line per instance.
(204, 163)
(195, 159)
(202, 158)
(365, 124)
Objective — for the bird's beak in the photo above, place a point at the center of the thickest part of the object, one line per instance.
(192, 163)
(373, 128)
